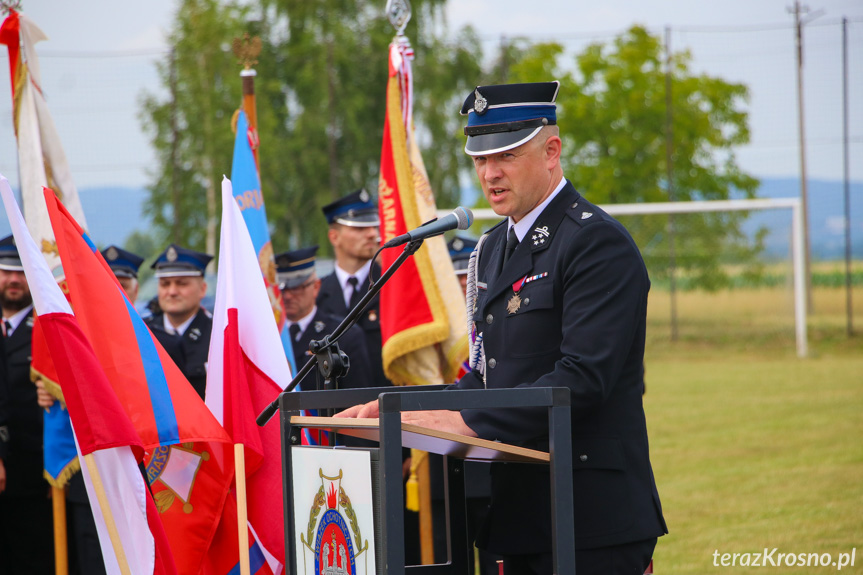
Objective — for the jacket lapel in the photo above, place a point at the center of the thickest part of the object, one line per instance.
(22, 334)
(535, 241)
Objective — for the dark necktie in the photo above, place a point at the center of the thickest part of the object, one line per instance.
(511, 244)
(294, 330)
(355, 296)
(7, 328)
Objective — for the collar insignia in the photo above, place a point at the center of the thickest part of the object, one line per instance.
(540, 235)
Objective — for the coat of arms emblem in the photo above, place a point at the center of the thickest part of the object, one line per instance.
(333, 532)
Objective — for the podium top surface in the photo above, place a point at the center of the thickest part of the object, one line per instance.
(431, 440)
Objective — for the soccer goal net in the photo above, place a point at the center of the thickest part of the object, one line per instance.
(722, 272)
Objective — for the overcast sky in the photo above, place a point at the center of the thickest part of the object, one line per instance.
(118, 25)
(748, 41)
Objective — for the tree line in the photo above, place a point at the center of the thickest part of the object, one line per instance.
(321, 83)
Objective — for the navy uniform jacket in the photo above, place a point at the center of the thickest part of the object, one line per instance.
(189, 351)
(352, 342)
(582, 326)
(23, 459)
(331, 300)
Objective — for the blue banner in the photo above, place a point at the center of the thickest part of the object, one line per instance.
(246, 183)
(60, 455)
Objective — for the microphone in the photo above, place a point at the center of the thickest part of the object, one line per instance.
(460, 219)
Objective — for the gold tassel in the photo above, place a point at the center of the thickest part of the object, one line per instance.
(412, 495)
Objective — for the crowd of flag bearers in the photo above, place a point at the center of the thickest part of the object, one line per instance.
(313, 307)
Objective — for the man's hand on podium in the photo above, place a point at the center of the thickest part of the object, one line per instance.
(439, 419)
(361, 411)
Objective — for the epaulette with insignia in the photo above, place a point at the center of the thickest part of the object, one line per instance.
(582, 212)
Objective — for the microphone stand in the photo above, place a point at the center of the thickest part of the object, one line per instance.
(328, 357)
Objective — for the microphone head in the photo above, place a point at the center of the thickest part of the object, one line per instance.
(464, 217)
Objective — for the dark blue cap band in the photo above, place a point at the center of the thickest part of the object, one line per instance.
(508, 114)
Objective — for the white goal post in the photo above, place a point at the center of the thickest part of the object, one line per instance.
(797, 252)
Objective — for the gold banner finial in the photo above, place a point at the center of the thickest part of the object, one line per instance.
(247, 50)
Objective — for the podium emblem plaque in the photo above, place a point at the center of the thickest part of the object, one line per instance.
(334, 511)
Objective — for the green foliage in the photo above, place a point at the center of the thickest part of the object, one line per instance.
(321, 92)
(190, 127)
(612, 116)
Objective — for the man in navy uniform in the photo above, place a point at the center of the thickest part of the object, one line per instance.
(26, 535)
(460, 248)
(355, 236)
(560, 300)
(299, 284)
(125, 266)
(181, 325)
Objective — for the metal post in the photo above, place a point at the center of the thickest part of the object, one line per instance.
(800, 292)
(846, 180)
(798, 26)
(669, 177)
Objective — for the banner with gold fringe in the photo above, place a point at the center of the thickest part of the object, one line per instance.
(422, 306)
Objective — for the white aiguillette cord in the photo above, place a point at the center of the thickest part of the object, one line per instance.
(477, 353)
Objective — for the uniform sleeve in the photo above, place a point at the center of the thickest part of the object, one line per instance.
(603, 307)
(354, 345)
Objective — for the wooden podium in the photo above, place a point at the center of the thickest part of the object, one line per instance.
(392, 435)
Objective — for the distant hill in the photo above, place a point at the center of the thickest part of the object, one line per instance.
(826, 217)
(112, 213)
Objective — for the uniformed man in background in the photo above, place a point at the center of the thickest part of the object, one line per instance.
(125, 266)
(181, 324)
(299, 284)
(460, 248)
(26, 524)
(355, 236)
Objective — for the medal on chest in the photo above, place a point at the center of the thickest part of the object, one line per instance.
(514, 303)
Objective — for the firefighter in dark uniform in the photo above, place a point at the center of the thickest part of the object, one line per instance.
(299, 284)
(26, 524)
(559, 300)
(355, 236)
(181, 325)
(125, 266)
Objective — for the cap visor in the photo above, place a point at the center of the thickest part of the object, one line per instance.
(364, 221)
(499, 141)
(178, 273)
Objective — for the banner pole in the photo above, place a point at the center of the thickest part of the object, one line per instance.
(99, 488)
(242, 514)
(61, 551)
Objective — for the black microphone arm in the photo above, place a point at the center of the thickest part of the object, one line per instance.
(350, 319)
(460, 219)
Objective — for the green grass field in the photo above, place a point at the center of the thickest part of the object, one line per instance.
(752, 447)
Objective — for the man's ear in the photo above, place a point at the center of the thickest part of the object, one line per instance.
(553, 147)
